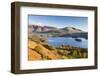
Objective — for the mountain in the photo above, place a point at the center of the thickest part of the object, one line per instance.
(38, 28)
(72, 29)
(57, 32)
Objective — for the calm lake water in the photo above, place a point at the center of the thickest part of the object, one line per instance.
(58, 41)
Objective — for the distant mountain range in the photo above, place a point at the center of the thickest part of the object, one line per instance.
(54, 31)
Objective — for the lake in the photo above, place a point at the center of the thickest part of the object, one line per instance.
(58, 41)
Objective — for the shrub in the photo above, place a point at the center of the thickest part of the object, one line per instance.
(45, 57)
(65, 57)
(49, 47)
(38, 49)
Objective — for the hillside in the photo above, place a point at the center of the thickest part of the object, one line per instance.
(72, 30)
(57, 32)
(38, 28)
(38, 50)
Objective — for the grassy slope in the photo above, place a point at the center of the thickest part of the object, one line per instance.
(37, 51)
(40, 50)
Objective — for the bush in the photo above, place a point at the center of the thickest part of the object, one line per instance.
(38, 49)
(49, 47)
(65, 57)
(45, 57)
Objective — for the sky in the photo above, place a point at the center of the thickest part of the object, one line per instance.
(59, 21)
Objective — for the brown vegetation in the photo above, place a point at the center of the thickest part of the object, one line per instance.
(36, 51)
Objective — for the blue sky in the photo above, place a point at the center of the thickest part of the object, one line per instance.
(59, 21)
